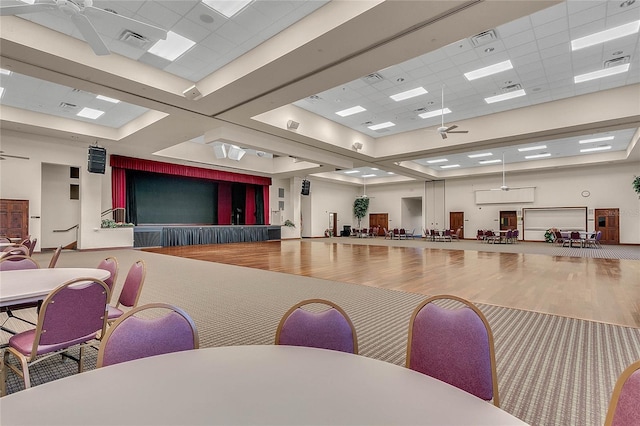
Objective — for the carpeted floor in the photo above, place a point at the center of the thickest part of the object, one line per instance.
(551, 370)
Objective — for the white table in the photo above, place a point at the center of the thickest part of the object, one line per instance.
(31, 285)
(276, 385)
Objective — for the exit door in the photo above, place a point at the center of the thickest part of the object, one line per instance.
(456, 221)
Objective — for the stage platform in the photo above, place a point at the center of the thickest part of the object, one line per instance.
(185, 235)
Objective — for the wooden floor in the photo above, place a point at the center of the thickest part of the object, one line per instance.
(605, 290)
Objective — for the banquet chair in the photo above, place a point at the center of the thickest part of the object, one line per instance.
(516, 233)
(130, 291)
(593, 240)
(454, 345)
(110, 264)
(70, 315)
(575, 237)
(403, 234)
(17, 262)
(559, 239)
(5, 240)
(54, 258)
(623, 407)
(456, 235)
(133, 337)
(480, 235)
(328, 329)
(15, 249)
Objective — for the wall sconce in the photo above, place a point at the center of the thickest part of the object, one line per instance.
(357, 146)
(292, 125)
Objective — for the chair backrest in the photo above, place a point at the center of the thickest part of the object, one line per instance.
(16, 249)
(110, 264)
(72, 313)
(32, 246)
(455, 346)
(133, 337)
(132, 287)
(624, 408)
(598, 235)
(54, 258)
(509, 234)
(329, 329)
(17, 262)
(575, 235)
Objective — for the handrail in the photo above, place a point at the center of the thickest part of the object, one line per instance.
(66, 230)
(106, 212)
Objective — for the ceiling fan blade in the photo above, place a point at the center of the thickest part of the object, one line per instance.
(40, 6)
(90, 34)
(448, 129)
(458, 131)
(148, 31)
(13, 156)
(443, 134)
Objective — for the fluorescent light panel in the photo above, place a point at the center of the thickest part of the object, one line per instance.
(350, 111)
(382, 125)
(597, 148)
(227, 8)
(435, 113)
(484, 154)
(440, 160)
(490, 70)
(505, 96)
(108, 99)
(531, 157)
(409, 94)
(5, 72)
(606, 35)
(1, 91)
(366, 176)
(450, 166)
(490, 161)
(349, 172)
(532, 148)
(602, 139)
(605, 72)
(171, 48)
(90, 113)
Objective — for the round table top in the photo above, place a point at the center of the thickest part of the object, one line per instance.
(276, 385)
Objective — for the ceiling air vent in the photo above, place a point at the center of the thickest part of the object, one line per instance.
(67, 107)
(484, 38)
(133, 39)
(617, 61)
(511, 88)
(373, 78)
(313, 98)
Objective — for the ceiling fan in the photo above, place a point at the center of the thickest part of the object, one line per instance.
(364, 190)
(81, 12)
(4, 156)
(450, 129)
(504, 186)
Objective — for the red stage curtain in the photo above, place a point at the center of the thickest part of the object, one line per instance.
(119, 188)
(250, 205)
(224, 203)
(265, 198)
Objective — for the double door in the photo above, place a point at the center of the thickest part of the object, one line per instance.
(14, 218)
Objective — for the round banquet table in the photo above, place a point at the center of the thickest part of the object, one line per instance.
(275, 385)
(31, 285)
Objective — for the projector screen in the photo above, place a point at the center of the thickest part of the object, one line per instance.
(537, 220)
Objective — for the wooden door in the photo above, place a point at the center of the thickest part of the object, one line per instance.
(333, 219)
(456, 220)
(607, 222)
(381, 220)
(508, 220)
(14, 218)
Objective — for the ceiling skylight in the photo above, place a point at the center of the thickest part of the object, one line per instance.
(382, 125)
(606, 72)
(227, 8)
(597, 148)
(505, 96)
(532, 157)
(532, 148)
(108, 99)
(435, 113)
(409, 94)
(350, 111)
(602, 139)
(606, 35)
(490, 70)
(90, 113)
(173, 47)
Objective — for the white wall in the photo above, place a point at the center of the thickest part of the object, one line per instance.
(59, 212)
(412, 216)
(327, 197)
(388, 199)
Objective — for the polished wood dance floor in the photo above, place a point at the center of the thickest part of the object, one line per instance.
(606, 290)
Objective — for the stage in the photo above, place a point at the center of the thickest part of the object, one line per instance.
(185, 235)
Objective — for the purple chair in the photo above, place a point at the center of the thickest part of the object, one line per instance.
(15, 249)
(454, 346)
(110, 264)
(624, 409)
(130, 291)
(16, 262)
(329, 329)
(71, 315)
(132, 337)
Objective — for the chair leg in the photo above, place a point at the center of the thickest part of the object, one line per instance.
(3, 374)
(81, 359)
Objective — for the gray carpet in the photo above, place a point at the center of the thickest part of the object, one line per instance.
(551, 370)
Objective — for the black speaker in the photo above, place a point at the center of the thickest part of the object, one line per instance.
(306, 186)
(97, 159)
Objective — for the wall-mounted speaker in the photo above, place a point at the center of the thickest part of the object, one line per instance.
(97, 159)
(292, 125)
(306, 187)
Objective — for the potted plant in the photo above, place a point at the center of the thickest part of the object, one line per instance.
(636, 185)
(360, 207)
(289, 224)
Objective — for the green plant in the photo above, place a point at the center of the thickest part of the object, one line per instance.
(636, 184)
(549, 237)
(360, 207)
(289, 224)
(110, 223)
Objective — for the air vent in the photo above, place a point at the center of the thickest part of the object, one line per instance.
(511, 88)
(313, 99)
(617, 61)
(65, 106)
(133, 39)
(483, 38)
(373, 78)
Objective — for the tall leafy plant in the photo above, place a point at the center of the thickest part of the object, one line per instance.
(360, 207)
(636, 184)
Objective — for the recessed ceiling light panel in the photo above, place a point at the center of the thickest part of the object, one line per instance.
(484, 154)
(490, 70)
(440, 160)
(597, 148)
(532, 148)
(606, 72)
(108, 99)
(173, 47)
(450, 166)
(602, 139)
(505, 96)
(382, 125)
(226, 7)
(436, 113)
(606, 35)
(490, 161)
(409, 94)
(90, 113)
(350, 111)
(533, 157)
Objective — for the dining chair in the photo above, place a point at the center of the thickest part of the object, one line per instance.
(17, 262)
(624, 409)
(327, 329)
(516, 233)
(70, 315)
(54, 258)
(15, 249)
(454, 345)
(480, 235)
(131, 290)
(403, 234)
(110, 264)
(574, 236)
(134, 336)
